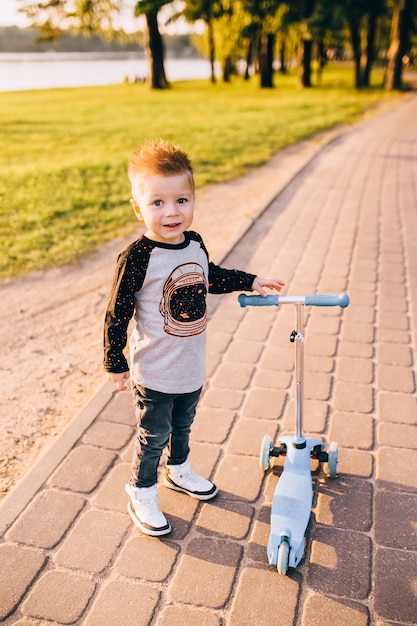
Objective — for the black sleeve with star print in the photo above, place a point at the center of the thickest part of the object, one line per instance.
(223, 280)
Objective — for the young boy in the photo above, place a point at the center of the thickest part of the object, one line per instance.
(162, 279)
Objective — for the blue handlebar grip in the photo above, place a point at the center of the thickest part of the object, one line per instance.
(341, 300)
(270, 300)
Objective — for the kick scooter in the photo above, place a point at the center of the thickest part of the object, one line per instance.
(293, 496)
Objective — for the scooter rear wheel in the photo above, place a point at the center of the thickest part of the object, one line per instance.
(283, 557)
(265, 452)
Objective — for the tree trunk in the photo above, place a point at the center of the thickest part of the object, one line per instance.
(212, 50)
(356, 48)
(154, 49)
(305, 62)
(370, 50)
(399, 43)
(266, 60)
(249, 57)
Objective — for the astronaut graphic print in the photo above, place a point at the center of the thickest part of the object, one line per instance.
(183, 304)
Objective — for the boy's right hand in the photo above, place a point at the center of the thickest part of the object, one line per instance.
(119, 379)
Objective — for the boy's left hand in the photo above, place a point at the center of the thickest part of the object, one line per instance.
(259, 284)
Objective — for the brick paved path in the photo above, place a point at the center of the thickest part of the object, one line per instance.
(348, 222)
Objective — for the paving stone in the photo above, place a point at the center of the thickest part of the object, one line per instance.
(121, 602)
(396, 407)
(353, 397)
(317, 386)
(390, 319)
(59, 596)
(321, 345)
(396, 520)
(257, 546)
(47, 519)
(212, 425)
(355, 462)
(179, 509)
(119, 409)
(108, 435)
(320, 324)
(274, 601)
(254, 328)
(222, 399)
(398, 435)
(111, 494)
(395, 596)
(345, 503)
(247, 436)
(395, 378)
(93, 541)
(188, 616)
(358, 350)
(314, 417)
(147, 558)
(243, 352)
(352, 430)
(19, 567)
(281, 359)
(355, 370)
(269, 379)
(239, 477)
(225, 517)
(217, 342)
(396, 467)
(236, 377)
(392, 334)
(394, 354)
(83, 469)
(357, 332)
(264, 403)
(340, 563)
(319, 610)
(315, 363)
(213, 564)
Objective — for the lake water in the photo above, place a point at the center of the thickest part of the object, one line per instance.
(44, 70)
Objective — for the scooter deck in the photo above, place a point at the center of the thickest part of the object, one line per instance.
(291, 504)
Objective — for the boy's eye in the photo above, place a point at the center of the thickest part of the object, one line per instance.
(158, 203)
(182, 200)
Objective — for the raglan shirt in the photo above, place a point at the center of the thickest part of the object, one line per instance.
(164, 288)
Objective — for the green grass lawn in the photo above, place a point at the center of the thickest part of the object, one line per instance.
(63, 183)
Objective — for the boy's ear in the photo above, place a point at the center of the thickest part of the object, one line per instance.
(136, 208)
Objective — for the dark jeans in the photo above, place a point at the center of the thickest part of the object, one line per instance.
(163, 419)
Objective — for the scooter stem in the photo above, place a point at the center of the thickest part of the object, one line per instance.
(299, 368)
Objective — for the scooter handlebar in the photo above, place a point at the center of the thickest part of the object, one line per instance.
(341, 300)
(245, 300)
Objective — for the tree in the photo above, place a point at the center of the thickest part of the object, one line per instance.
(264, 17)
(154, 46)
(361, 17)
(52, 17)
(206, 10)
(401, 28)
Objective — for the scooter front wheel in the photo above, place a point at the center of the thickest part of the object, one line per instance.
(283, 557)
(265, 452)
(333, 460)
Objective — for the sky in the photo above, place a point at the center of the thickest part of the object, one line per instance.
(9, 15)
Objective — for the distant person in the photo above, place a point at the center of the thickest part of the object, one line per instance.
(162, 280)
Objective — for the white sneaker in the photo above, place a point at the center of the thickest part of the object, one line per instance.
(183, 478)
(143, 508)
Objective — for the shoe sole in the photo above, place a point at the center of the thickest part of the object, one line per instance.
(146, 528)
(208, 495)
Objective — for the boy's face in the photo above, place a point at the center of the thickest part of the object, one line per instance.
(166, 205)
